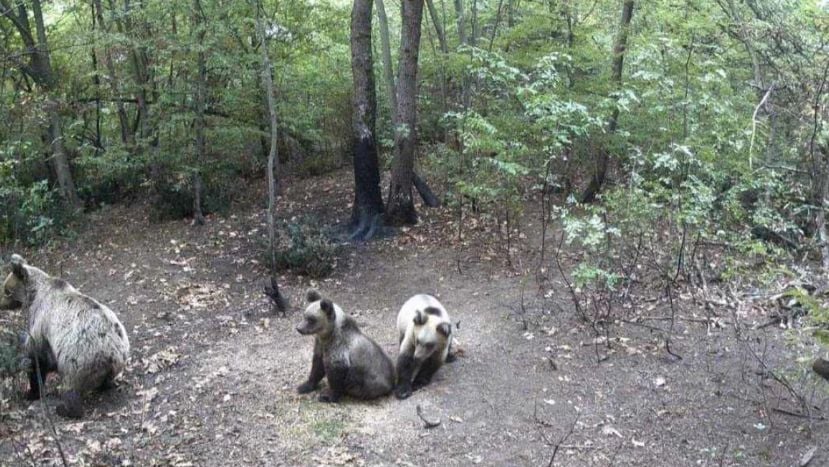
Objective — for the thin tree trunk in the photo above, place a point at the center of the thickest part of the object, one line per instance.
(438, 29)
(141, 73)
(385, 47)
(96, 81)
(465, 97)
(510, 21)
(201, 83)
(127, 137)
(495, 27)
(401, 208)
(474, 38)
(368, 200)
(603, 157)
(277, 300)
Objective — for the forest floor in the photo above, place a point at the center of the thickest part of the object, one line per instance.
(213, 375)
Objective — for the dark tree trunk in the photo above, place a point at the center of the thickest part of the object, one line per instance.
(201, 142)
(401, 208)
(602, 157)
(368, 201)
(96, 81)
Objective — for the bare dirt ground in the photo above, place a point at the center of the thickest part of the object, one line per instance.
(213, 374)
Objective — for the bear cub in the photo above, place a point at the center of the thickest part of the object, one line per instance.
(425, 332)
(353, 363)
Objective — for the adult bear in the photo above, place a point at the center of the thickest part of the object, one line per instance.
(68, 332)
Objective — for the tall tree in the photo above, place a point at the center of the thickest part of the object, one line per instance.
(385, 47)
(368, 201)
(603, 156)
(278, 302)
(127, 136)
(200, 123)
(39, 69)
(400, 206)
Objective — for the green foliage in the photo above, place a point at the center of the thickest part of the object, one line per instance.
(28, 214)
(306, 248)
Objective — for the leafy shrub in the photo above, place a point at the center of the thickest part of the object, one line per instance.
(305, 248)
(29, 214)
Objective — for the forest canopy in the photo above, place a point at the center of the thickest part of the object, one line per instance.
(712, 111)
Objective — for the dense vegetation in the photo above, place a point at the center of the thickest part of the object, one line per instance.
(704, 117)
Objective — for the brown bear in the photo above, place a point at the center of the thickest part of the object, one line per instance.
(68, 332)
(353, 363)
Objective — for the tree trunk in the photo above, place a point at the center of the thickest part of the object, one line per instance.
(127, 137)
(277, 300)
(385, 47)
(603, 158)
(438, 28)
(96, 81)
(401, 208)
(368, 201)
(201, 84)
(139, 63)
(59, 159)
(39, 69)
(465, 96)
(461, 21)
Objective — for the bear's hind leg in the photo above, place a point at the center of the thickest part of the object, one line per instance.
(40, 367)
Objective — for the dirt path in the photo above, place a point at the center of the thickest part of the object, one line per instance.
(213, 377)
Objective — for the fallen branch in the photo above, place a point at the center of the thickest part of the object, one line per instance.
(559, 445)
(798, 414)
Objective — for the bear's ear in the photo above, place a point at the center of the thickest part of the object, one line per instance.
(313, 295)
(328, 308)
(420, 318)
(445, 329)
(18, 266)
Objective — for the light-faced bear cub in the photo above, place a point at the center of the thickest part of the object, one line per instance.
(425, 340)
(354, 364)
(67, 332)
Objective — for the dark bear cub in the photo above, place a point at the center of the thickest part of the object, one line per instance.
(353, 363)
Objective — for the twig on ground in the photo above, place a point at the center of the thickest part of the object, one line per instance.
(563, 439)
(46, 412)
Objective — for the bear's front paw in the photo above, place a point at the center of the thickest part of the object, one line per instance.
(306, 387)
(403, 391)
(329, 396)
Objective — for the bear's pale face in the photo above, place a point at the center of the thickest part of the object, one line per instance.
(315, 320)
(13, 293)
(430, 336)
(426, 342)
